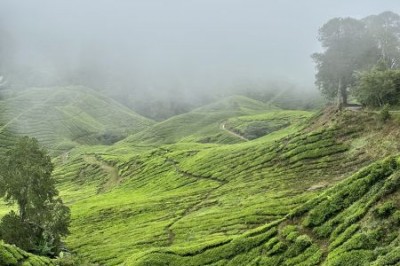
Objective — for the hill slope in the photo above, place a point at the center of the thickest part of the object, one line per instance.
(165, 197)
(193, 196)
(204, 124)
(354, 223)
(62, 118)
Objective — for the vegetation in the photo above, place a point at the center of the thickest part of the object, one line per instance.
(236, 182)
(42, 218)
(168, 196)
(378, 87)
(65, 117)
(11, 255)
(353, 46)
(241, 181)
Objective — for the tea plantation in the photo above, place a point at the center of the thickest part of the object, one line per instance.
(237, 182)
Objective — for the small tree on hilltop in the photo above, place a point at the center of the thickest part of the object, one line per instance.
(42, 218)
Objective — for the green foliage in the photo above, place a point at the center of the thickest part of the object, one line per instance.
(345, 53)
(14, 230)
(352, 46)
(385, 210)
(378, 87)
(13, 256)
(143, 202)
(384, 114)
(42, 218)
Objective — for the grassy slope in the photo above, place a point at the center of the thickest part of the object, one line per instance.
(154, 190)
(354, 223)
(165, 196)
(190, 196)
(62, 118)
(196, 204)
(200, 125)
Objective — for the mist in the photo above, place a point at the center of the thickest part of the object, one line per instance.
(174, 49)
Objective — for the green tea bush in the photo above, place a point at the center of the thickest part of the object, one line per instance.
(384, 210)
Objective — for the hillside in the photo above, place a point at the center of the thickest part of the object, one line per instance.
(303, 191)
(354, 223)
(186, 197)
(204, 124)
(65, 117)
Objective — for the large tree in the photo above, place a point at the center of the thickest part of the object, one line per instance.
(348, 47)
(385, 30)
(42, 218)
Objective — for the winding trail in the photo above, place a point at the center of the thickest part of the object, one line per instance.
(193, 207)
(115, 178)
(223, 127)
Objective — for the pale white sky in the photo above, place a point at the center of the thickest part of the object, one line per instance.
(196, 44)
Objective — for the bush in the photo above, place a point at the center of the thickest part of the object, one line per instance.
(15, 231)
(384, 114)
(396, 218)
(384, 210)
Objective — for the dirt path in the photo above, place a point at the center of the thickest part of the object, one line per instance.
(114, 178)
(195, 206)
(223, 127)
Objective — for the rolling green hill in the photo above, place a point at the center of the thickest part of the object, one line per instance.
(199, 189)
(204, 124)
(188, 196)
(62, 118)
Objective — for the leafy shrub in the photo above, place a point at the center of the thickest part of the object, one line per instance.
(384, 114)
(287, 230)
(396, 218)
(278, 248)
(14, 230)
(384, 210)
(300, 244)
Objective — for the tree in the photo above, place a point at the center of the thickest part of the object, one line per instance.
(378, 87)
(42, 218)
(385, 29)
(348, 48)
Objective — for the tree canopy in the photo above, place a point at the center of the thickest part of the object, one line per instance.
(352, 46)
(42, 218)
(378, 87)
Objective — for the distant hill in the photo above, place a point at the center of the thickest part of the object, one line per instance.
(202, 125)
(64, 117)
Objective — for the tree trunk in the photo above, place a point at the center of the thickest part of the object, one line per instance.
(339, 95)
(343, 93)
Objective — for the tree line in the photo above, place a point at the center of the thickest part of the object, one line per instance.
(361, 58)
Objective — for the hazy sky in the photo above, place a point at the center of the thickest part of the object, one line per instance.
(195, 44)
